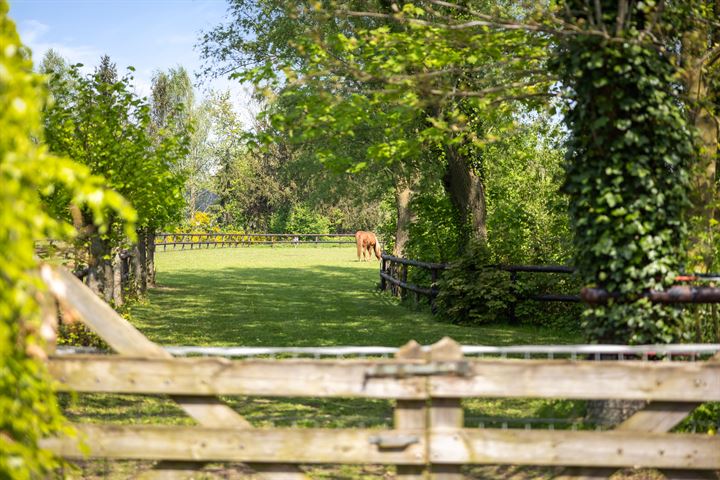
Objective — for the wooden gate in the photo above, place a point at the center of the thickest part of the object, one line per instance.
(428, 439)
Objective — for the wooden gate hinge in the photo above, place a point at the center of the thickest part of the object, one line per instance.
(393, 370)
(393, 441)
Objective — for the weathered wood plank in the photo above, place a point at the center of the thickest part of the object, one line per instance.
(678, 381)
(410, 414)
(448, 447)
(582, 449)
(149, 442)
(219, 376)
(667, 381)
(656, 417)
(446, 413)
(98, 315)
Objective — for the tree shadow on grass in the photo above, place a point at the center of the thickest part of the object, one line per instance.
(312, 306)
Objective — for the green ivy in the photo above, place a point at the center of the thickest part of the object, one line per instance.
(627, 176)
(28, 408)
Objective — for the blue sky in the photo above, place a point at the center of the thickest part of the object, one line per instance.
(147, 34)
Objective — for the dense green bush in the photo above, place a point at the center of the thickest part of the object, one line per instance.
(299, 219)
(473, 292)
(434, 235)
(560, 315)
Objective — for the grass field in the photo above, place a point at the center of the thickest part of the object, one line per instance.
(305, 296)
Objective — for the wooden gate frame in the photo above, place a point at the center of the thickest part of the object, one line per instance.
(125, 339)
(428, 438)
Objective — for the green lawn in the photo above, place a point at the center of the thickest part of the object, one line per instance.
(305, 296)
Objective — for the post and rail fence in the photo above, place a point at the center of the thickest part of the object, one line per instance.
(200, 240)
(392, 266)
(389, 268)
(429, 436)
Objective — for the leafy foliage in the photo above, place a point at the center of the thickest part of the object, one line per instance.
(627, 176)
(28, 409)
(99, 121)
(471, 291)
(299, 219)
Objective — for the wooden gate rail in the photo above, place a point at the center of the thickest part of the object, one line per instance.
(428, 437)
(198, 240)
(391, 379)
(398, 446)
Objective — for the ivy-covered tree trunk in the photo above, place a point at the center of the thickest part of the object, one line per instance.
(627, 177)
(629, 152)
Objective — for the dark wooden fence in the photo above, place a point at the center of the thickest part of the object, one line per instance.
(394, 277)
(391, 267)
(206, 240)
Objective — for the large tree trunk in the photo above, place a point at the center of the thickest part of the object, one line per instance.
(467, 192)
(403, 195)
(703, 193)
(108, 276)
(94, 276)
(117, 291)
(135, 270)
(142, 262)
(151, 258)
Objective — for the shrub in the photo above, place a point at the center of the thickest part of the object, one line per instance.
(472, 292)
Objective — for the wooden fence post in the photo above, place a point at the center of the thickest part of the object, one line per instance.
(383, 282)
(445, 413)
(404, 274)
(433, 281)
(411, 414)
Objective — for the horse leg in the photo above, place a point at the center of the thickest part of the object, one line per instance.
(360, 250)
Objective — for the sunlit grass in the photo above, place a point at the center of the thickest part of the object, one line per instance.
(301, 296)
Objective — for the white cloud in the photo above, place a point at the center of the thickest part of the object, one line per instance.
(33, 32)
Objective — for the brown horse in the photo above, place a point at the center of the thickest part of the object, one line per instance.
(367, 242)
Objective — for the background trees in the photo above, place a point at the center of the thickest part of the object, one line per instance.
(98, 120)
(361, 93)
